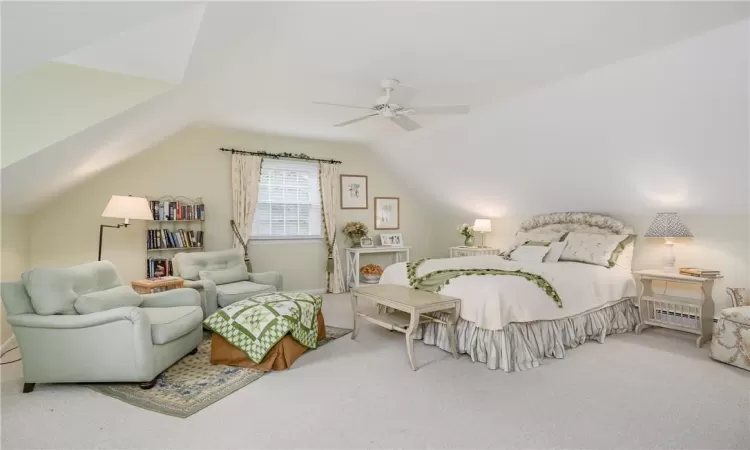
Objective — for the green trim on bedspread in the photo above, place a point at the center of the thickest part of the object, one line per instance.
(435, 281)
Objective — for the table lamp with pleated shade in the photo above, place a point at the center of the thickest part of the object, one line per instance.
(668, 225)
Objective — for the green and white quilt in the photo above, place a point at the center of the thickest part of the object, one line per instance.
(256, 324)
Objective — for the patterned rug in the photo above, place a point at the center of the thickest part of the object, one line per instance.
(193, 382)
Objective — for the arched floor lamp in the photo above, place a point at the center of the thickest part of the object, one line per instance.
(124, 207)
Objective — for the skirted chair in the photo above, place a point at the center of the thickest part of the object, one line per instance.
(83, 324)
(731, 339)
(222, 278)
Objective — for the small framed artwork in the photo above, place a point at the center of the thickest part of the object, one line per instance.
(366, 242)
(353, 191)
(391, 240)
(386, 213)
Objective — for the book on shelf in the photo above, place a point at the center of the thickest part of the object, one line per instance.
(697, 272)
(158, 267)
(156, 239)
(177, 210)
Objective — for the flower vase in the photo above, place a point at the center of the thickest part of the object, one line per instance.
(356, 240)
(469, 241)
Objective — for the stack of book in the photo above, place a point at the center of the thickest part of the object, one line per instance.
(177, 211)
(702, 273)
(174, 239)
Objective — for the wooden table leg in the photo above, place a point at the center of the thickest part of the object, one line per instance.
(355, 311)
(452, 331)
(413, 324)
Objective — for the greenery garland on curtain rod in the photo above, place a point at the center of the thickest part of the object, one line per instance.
(280, 155)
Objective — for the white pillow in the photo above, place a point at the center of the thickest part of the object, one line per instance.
(546, 236)
(555, 250)
(599, 249)
(529, 253)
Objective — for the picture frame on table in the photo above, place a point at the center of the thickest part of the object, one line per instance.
(387, 213)
(391, 240)
(366, 242)
(354, 191)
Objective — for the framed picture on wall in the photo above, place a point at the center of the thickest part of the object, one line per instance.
(386, 213)
(353, 191)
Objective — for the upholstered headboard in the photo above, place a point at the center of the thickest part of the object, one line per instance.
(576, 221)
(584, 223)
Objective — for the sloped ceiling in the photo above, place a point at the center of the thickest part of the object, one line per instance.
(260, 65)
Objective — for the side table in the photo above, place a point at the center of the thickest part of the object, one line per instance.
(152, 285)
(692, 315)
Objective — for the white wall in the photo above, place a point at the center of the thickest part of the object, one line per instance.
(65, 231)
(14, 260)
(53, 101)
(666, 130)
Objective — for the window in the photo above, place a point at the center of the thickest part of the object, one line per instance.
(288, 201)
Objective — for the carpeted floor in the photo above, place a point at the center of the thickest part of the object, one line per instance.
(650, 391)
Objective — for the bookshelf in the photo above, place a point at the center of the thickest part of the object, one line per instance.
(178, 226)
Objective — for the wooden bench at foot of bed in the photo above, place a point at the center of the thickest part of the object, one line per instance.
(280, 357)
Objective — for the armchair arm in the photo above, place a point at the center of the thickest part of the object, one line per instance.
(174, 297)
(271, 278)
(207, 291)
(29, 320)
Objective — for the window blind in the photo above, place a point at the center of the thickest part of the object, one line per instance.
(288, 201)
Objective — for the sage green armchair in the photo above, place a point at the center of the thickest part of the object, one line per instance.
(83, 324)
(222, 278)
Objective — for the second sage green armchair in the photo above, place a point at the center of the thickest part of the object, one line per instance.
(222, 278)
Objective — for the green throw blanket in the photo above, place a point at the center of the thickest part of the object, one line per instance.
(256, 324)
(435, 281)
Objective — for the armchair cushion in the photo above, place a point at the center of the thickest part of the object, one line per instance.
(738, 314)
(234, 292)
(55, 290)
(225, 276)
(168, 324)
(170, 298)
(115, 297)
(189, 264)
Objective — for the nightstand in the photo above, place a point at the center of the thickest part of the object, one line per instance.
(473, 251)
(692, 315)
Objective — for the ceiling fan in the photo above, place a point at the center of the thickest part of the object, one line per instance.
(398, 114)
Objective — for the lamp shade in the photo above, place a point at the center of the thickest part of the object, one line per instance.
(668, 225)
(127, 207)
(483, 225)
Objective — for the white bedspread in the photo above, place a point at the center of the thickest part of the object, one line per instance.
(494, 301)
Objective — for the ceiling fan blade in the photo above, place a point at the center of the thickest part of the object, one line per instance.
(349, 122)
(345, 106)
(406, 123)
(454, 109)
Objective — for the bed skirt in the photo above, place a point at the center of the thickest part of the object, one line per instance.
(521, 346)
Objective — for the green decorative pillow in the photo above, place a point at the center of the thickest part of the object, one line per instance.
(225, 276)
(116, 297)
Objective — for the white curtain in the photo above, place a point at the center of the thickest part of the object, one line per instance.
(245, 183)
(329, 193)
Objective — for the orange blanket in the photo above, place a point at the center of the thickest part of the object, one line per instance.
(280, 357)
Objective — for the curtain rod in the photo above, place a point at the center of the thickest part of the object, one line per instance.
(280, 155)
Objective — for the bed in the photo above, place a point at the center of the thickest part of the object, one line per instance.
(513, 322)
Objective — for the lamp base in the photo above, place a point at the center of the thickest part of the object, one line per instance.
(669, 260)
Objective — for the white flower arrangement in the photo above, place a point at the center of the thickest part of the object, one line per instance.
(465, 230)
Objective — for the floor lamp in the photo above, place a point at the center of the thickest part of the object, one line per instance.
(124, 207)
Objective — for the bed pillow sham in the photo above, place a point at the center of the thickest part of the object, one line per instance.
(598, 249)
(529, 253)
(555, 249)
(523, 237)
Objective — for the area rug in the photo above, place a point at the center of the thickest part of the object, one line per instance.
(193, 382)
